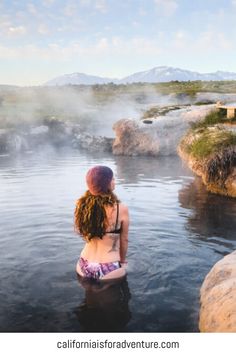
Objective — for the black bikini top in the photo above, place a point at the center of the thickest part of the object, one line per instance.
(115, 231)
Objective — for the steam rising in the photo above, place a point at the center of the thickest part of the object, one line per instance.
(95, 110)
(92, 109)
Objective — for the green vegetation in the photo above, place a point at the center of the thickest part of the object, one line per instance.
(212, 152)
(201, 103)
(189, 88)
(212, 118)
(209, 141)
(76, 103)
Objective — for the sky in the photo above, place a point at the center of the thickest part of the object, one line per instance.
(40, 40)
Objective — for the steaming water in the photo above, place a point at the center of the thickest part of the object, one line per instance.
(178, 231)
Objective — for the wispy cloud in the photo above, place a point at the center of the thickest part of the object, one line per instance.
(136, 47)
(103, 46)
(16, 31)
(212, 40)
(8, 29)
(116, 36)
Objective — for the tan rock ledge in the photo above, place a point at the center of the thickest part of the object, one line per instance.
(217, 168)
(218, 297)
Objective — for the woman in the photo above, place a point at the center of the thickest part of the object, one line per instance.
(103, 222)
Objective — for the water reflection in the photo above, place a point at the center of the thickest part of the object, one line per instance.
(105, 307)
(130, 168)
(213, 215)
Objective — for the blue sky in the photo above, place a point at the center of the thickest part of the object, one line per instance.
(40, 40)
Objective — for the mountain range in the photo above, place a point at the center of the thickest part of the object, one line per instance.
(157, 74)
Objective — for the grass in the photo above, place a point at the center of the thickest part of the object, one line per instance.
(210, 142)
(212, 118)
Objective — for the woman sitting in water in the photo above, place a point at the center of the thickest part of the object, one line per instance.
(103, 222)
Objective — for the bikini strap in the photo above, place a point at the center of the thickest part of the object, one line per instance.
(117, 215)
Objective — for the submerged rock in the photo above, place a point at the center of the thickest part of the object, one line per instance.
(160, 136)
(218, 297)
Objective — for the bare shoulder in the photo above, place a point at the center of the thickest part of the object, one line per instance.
(124, 209)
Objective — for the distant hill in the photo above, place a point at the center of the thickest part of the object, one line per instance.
(157, 74)
(78, 79)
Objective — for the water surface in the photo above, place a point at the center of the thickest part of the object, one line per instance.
(177, 232)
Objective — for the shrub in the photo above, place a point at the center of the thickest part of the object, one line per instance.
(210, 142)
(212, 118)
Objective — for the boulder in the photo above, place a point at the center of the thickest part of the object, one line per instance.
(92, 143)
(160, 136)
(218, 168)
(218, 297)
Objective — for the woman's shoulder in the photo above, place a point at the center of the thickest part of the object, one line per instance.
(123, 208)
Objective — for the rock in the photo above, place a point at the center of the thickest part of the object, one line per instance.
(17, 143)
(37, 136)
(218, 169)
(133, 139)
(54, 133)
(218, 297)
(11, 142)
(92, 143)
(160, 136)
(42, 129)
(3, 141)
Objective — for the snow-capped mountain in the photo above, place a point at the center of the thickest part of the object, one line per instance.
(166, 74)
(162, 74)
(78, 79)
(157, 74)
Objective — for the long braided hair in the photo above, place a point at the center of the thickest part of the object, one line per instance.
(90, 217)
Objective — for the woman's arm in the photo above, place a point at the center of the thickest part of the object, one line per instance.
(124, 233)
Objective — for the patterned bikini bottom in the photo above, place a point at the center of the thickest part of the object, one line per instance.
(97, 270)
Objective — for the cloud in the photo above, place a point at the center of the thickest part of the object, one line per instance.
(209, 41)
(213, 41)
(101, 48)
(166, 7)
(181, 39)
(7, 29)
(102, 44)
(137, 47)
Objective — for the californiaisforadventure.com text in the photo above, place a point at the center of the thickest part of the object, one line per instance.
(108, 344)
